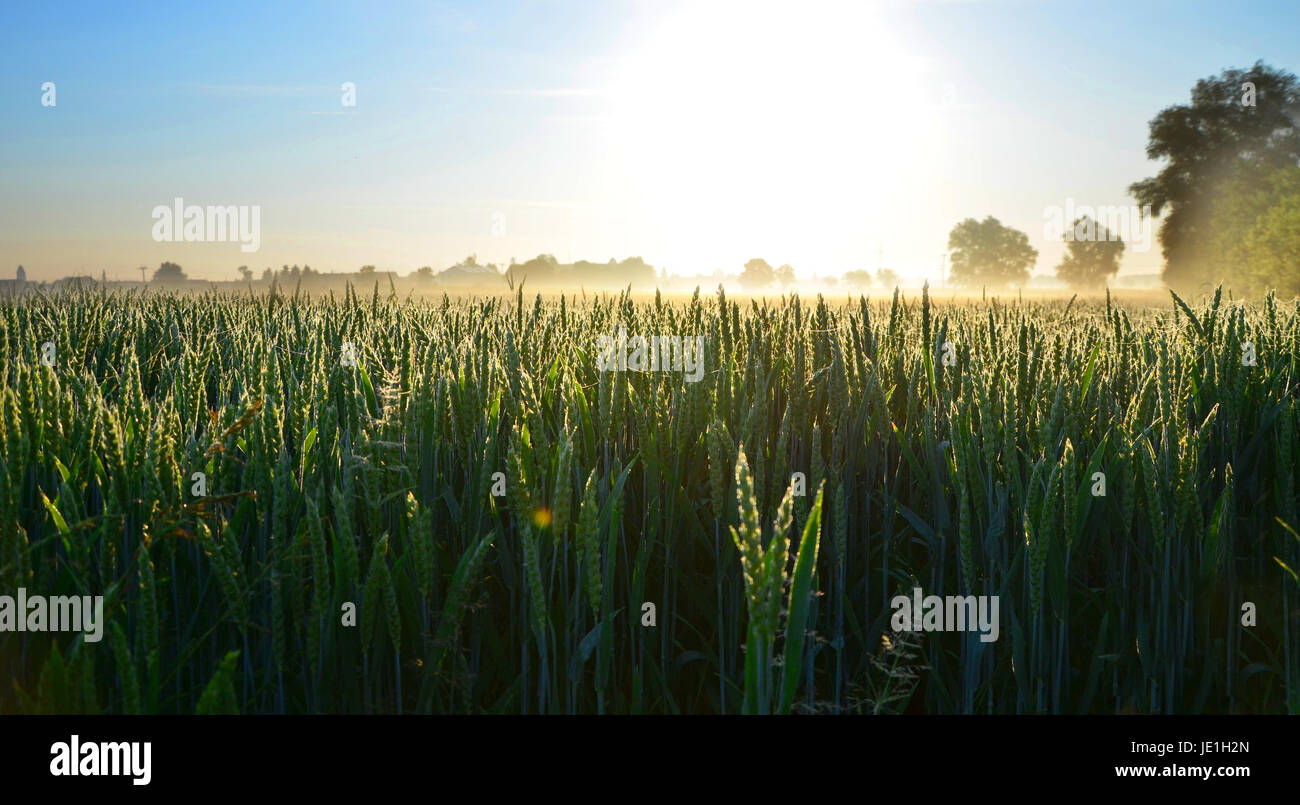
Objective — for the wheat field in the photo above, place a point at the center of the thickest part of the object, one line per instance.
(445, 506)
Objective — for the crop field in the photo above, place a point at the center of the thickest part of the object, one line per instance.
(368, 504)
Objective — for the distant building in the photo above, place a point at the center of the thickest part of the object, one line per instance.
(14, 286)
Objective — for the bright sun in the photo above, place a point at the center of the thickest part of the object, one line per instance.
(774, 131)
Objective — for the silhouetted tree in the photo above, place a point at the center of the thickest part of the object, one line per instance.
(1090, 255)
(856, 279)
(540, 269)
(757, 274)
(785, 275)
(1239, 114)
(988, 253)
(1256, 231)
(169, 272)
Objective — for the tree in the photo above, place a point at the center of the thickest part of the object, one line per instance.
(425, 273)
(637, 272)
(169, 272)
(367, 269)
(246, 273)
(757, 274)
(785, 275)
(1256, 231)
(988, 253)
(1239, 114)
(1092, 254)
(887, 278)
(538, 270)
(857, 279)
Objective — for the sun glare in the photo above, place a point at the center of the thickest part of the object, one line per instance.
(780, 132)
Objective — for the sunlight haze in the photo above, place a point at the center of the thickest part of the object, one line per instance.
(827, 136)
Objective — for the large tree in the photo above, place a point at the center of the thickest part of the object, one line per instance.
(1240, 117)
(169, 272)
(857, 278)
(1256, 231)
(1092, 255)
(785, 275)
(986, 253)
(757, 274)
(541, 269)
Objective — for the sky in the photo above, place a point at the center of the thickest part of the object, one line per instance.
(830, 136)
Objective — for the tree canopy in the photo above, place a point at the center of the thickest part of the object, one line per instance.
(169, 272)
(785, 275)
(857, 278)
(1255, 228)
(1092, 255)
(544, 269)
(987, 253)
(757, 274)
(1240, 125)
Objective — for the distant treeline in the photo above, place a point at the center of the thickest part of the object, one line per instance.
(546, 270)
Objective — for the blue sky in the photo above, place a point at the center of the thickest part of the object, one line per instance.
(695, 135)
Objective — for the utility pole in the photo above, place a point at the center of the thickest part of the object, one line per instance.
(142, 270)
